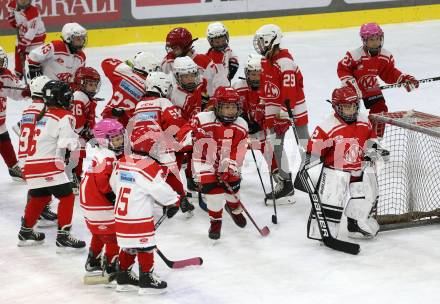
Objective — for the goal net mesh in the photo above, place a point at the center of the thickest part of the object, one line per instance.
(409, 184)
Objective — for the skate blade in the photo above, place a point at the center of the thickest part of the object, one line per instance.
(46, 223)
(150, 291)
(111, 284)
(29, 243)
(126, 288)
(288, 200)
(189, 214)
(69, 250)
(359, 236)
(18, 180)
(95, 279)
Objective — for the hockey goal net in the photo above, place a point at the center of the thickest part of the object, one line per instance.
(409, 184)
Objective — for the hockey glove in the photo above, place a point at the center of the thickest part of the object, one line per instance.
(351, 82)
(228, 170)
(281, 126)
(409, 82)
(35, 70)
(118, 112)
(233, 68)
(26, 92)
(172, 210)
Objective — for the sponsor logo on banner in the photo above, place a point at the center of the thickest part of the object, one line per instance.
(59, 12)
(147, 9)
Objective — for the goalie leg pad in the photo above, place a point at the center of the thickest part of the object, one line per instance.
(333, 187)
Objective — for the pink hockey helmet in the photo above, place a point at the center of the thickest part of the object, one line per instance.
(105, 129)
(369, 30)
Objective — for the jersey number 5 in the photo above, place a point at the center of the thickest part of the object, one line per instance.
(122, 203)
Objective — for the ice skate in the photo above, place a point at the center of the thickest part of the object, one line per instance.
(214, 229)
(150, 283)
(16, 174)
(127, 281)
(66, 242)
(237, 215)
(359, 230)
(48, 218)
(29, 237)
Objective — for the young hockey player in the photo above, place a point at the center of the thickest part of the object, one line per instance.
(344, 141)
(44, 169)
(220, 52)
(361, 67)
(18, 92)
(60, 59)
(157, 119)
(98, 200)
(281, 84)
(219, 140)
(27, 124)
(179, 43)
(86, 85)
(128, 82)
(138, 182)
(25, 17)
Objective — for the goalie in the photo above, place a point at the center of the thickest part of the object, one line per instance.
(347, 145)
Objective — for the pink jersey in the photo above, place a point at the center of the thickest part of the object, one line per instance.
(27, 127)
(31, 30)
(221, 59)
(365, 69)
(226, 141)
(53, 133)
(97, 209)
(281, 80)
(83, 110)
(57, 61)
(208, 71)
(138, 183)
(11, 80)
(341, 145)
(128, 88)
(190, 103)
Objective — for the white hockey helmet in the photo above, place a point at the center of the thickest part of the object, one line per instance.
(36, 85)
(253, 63)
(145, 62)
(185, 66)
(159, 82)
(217, 30)
(3, 58)
(72, 30)
(266, 37)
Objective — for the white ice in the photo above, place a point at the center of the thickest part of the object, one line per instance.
(397, 267)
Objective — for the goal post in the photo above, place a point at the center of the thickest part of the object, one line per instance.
(409, 184)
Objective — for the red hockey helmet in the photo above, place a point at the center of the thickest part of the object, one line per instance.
(84, 79)
(179, 37)
(227, 104)
(346, 103)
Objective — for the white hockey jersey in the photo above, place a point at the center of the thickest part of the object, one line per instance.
(53, 133)
(57, 61)
(27, 126)
(138, 182)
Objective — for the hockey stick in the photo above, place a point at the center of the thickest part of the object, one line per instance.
(265, 231)
(14, 88)
(326, 236)
(275, 215)
(397, 85)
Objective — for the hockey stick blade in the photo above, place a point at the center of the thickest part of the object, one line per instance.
(347, 247)
(197, 261)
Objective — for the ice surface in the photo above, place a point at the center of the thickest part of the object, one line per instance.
(397, 267)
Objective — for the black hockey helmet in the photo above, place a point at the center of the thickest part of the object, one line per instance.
(57, 93)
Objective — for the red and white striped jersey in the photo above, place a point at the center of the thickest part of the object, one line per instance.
(365, 69)
(11, 80)
(31, 30)
(53, 133)
(225, 141)
(83, 110)
(97, 209)
(57, 61)
(221, 59)
(27, 127)
(341, 145)
(138, 183)
(190, 103)
(128, 88)
(250, 100)
(281, 80)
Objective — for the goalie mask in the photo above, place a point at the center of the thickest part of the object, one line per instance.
(186, 72)
(346, 104)
(252, 71)
(159, 83)
(75, 36)
(58, 94)
(218, 36)
(3, 59)
(227, 104)
(372, 37)
(87, 80)
(145, 62)
(266, 38)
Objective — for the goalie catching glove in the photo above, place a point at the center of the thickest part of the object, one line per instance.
(375, 151)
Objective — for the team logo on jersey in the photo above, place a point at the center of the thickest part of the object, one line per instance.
(131, 89)
(271, 90)
(28, 118)
(102, 227)
(127, 177)
(147, 116)
(143, 240)
(353, 153)
(368, 81)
